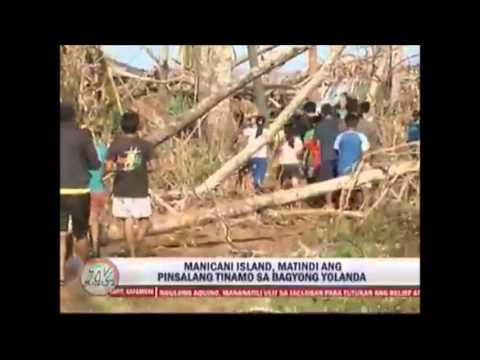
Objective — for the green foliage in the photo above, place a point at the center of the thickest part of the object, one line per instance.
(393, 230)
(179, 104)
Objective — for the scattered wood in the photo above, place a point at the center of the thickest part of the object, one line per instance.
(275, 103)
(159, 136)
(159, 201)
(118, 71)
(242, 157)
(150, 54)
(115, 91)
(197, 217)
(380, 198)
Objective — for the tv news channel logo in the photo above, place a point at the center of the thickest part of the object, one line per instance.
(99, 277)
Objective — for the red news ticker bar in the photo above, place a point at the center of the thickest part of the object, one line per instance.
(138, 291)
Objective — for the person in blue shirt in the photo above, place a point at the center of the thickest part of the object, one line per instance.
(350, 146)
(413, 128)
(98, 194)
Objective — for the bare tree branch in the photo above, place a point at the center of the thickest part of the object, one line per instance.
(204, 106)
(257, 83)
(238, 160)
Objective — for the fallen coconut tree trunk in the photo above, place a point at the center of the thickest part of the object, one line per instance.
(316, 212)
(242, 157)
(166, 131)
(166, 224)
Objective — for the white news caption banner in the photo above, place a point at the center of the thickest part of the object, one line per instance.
(376, 271)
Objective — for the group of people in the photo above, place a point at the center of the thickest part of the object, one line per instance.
(315, 146)
(318, 145)
(85, 162)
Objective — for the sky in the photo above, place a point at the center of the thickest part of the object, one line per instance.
(135, 55)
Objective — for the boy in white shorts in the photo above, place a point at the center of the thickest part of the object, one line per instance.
(131, 159)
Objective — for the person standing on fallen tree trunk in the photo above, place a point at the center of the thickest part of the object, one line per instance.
(77, 157)
(131, 159)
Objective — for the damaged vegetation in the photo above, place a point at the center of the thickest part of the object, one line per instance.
(192, 108)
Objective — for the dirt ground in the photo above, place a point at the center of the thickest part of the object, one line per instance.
(209, 240)
(274, 239)
(280, 237)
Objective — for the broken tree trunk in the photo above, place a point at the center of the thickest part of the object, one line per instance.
(260, 51)
(312, 60)
(377, 87)
(163, 62)
(257, 84)
(204, 106)
(396, 74)
(217, 64)
(316, 212)
(242, 157)
(238, 208)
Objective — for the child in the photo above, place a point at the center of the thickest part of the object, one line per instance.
(98, 195)
(258, 163)
(132, 158)
(413, 128)
(289, 163)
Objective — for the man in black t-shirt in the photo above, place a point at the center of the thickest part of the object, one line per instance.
(131, 159)
(325, 133)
